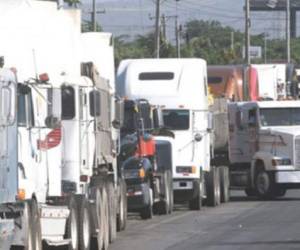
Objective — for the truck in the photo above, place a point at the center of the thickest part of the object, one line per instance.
(64, 194)
(263, 147)
(171, 84)
(146, 160)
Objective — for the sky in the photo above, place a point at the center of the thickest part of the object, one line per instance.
(132, 17)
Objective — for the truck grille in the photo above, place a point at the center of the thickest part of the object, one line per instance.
(297, 152)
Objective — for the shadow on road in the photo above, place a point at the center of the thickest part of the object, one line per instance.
(250, 243)
(251, 199)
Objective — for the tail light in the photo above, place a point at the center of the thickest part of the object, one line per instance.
(52, 140)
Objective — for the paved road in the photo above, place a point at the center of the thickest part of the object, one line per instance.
(241, 224)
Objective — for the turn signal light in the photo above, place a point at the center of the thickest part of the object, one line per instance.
(142, 173)
(194, 169)
(21, 194)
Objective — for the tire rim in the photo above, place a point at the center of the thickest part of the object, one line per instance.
(86, 228)
(73, 230)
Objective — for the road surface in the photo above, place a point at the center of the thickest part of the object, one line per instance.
(241, 224)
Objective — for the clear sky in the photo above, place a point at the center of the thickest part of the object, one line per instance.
(133, 17)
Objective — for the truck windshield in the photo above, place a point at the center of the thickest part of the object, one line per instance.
(280, 116)
(177, 119)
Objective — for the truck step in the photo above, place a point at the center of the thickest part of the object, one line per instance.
(58, 243)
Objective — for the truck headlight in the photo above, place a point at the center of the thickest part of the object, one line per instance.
(281, 162)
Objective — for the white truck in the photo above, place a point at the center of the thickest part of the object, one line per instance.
(179, 87)
(44, 142)
(263, 147)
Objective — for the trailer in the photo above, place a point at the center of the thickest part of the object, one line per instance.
(171, 84)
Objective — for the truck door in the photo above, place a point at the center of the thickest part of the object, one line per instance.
(85, 125)
(243, 139)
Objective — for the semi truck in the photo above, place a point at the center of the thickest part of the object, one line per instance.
(263, 147)
(146, 160)
(75, 200)
(171, 84)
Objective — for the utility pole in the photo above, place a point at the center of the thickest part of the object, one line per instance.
(94, 13)
(247, 32)
(177, 35)
(157, 29)
(288, 31)
(247, 50)
(94, 16)
(265, 46)
(163, 25)
(232, 41)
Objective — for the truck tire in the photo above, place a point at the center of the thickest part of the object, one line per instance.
(213, 187)
(250, 192)
(147, 211)
(280, 192)
(224, 183)
(36, 225)
(112, 212)
(122, 215)
(97, 244)
(196, 203)
(163, 205)
(27, 222)
(84, 223)
(171, 205)
(264, 185)
(72, 225)
(105, 218)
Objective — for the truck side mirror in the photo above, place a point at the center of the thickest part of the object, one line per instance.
(198, 137)
(116, 124)
(52, 121)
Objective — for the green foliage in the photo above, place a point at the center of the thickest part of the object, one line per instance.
(87, 26)
(209, 40)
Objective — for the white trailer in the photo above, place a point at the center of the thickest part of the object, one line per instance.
(179, 86)
(263, 147)
(43, 143)
(271, 80)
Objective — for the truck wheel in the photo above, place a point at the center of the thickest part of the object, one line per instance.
(224, 183)
(196, 203)
(147, 212)
(213, 187)
(280, 192)
(163, 205)
(72, 225)
(122, 215)
(36, 226)
(98, 243)
(105, 218)
(171, 195)
(112, 212)
(250, 192)
(84, 223)
(264, 185)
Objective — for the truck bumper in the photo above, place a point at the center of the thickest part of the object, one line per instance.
(288, 178)
(137, 197)
(185, 189)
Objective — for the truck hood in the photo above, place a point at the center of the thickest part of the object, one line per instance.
(291, 130)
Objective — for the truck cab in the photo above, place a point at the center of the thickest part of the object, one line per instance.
(263, 146)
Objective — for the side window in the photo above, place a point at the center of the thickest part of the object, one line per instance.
(25, 111)
(238, 120)
(68, 102)
(252, 118)
(95, 103)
